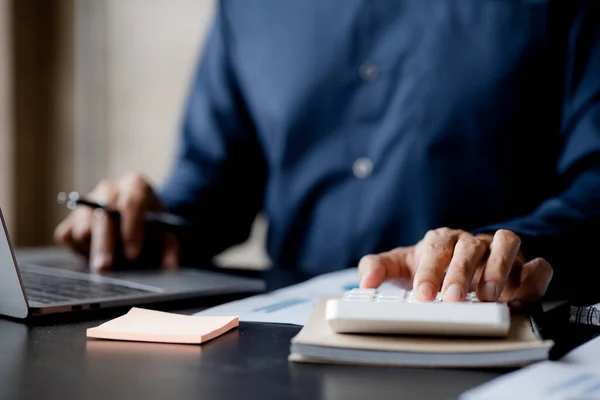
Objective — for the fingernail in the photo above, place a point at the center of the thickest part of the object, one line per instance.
(489, 291)
(363, 283)
(453, 293)
(131, 252)
(427, 290)
(363, 272)
(101, 261)
(367, 266)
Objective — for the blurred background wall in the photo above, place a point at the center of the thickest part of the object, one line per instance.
(6, 131)
(93, 89)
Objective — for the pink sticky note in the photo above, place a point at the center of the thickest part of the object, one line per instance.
(157, 326)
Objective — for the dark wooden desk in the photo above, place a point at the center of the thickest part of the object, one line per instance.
(58, 362)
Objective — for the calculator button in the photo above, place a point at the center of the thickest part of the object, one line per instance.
(360, 296)
(392, 293)
(364, 291)
(395, 295)
(358, 299)
(389, 300)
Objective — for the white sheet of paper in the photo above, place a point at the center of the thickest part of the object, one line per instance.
(290, 305)
(542, 381)
(587, 355)
(575, 376)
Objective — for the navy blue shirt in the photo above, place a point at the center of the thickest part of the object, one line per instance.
(358, 125)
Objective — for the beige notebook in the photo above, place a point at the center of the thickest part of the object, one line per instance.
(317, 343)
(157, 326)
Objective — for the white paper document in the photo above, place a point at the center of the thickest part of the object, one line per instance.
(290, 305)
(575, 376)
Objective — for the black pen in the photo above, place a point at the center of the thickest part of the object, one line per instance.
(165, 219)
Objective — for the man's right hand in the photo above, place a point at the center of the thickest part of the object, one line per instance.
(93, 232)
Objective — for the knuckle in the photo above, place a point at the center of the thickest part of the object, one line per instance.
(444, 231)
(430, 234)
(135, 179)
(460, 234)
(471, 241)
(508, 235)
(440, 250)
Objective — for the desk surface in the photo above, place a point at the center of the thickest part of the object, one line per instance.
(59, 362)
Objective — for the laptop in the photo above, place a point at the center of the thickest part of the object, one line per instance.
(28, 290)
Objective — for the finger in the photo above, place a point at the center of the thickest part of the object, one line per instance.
(374, 269)
(74, 232)
(105, 193)
(103, 241)
(82, 221)
(468, 254)
(502, 255)
(512, 283)
(435, 255)
(477, 275)
(171, 253)
(535, 278)
(102, 227)
(63, 232)
(132, 204)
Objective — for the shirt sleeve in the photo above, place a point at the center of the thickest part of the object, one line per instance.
(219, 173)
(564, 229)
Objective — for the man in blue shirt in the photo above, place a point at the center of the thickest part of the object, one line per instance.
(456, 143)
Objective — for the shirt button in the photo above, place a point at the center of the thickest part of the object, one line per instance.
(362, 168)
(368, 71)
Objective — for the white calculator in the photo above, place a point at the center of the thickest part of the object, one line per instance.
(399, 312)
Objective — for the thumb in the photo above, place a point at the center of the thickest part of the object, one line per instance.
(534, 280)
(375, 269)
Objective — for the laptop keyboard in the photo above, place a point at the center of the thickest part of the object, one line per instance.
(48, 289)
